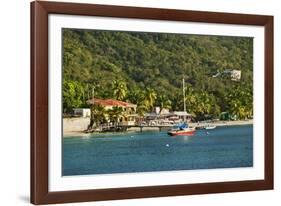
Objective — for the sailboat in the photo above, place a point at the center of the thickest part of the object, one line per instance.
(182, 129)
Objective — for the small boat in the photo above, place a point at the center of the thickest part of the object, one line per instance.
(182, 130)
(210, 127)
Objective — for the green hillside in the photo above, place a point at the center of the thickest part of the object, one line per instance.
(147, 69)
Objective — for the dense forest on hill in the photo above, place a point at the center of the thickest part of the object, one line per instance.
(148, 68)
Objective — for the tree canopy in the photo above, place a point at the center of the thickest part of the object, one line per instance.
(147, 69)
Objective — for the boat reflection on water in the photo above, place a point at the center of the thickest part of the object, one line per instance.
(187, 138)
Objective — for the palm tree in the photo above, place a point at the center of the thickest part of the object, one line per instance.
(141, 109)
(119, 89)
(178, 102)
(164, 102)
(201, 104)
(135, 95)
(98, 115)
(115, 113)
(149, 98)
(240, 102)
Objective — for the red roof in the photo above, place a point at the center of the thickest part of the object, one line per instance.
(110, 102)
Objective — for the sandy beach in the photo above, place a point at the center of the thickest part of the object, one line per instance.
(195, 124)
(224, 123)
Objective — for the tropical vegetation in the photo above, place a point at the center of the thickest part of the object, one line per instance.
(147, 69)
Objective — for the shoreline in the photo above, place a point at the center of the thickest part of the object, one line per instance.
(137, 129)
(224, 123)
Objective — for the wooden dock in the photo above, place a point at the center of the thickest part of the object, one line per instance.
(160, 127)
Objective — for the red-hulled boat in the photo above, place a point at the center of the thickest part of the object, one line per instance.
(183, 130)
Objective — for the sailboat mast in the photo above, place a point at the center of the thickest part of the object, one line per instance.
(184, 105)
(93, 94)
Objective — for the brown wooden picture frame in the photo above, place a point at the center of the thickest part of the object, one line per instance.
(39, 102)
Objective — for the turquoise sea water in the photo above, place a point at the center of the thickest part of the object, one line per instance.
(223, 147)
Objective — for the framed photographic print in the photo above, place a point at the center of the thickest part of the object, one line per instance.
(133, 102)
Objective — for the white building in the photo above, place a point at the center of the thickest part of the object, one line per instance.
(235, 75)
(82, 112)
(180, 115)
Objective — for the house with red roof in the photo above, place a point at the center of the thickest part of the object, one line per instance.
(129, 117)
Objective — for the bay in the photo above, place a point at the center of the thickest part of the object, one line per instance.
(222, 147)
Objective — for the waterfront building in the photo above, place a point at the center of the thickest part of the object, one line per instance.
(129, 109)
